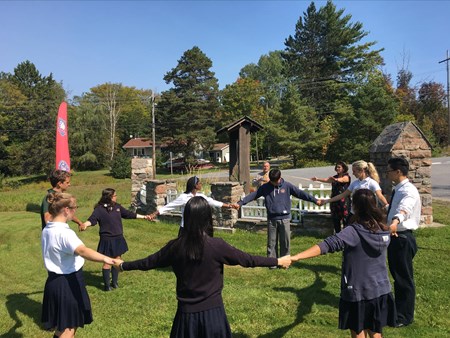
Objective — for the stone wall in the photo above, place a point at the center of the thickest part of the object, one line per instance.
(157, 193)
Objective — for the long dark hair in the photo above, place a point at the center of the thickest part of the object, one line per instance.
(197, 225)
(366, 211)
(191, 183)
(106, 199)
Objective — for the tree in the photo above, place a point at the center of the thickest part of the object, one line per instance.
(434, 122)
(242, 98)
(185, 112)
(104, 119)
(31, 148)
(375, 107)
(299, 135)
(326, 59)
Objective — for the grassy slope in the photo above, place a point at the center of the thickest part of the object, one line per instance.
(299, 302)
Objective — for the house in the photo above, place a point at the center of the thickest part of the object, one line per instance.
(220, 153)
(140, 147)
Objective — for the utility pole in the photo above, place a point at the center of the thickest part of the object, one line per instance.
(448, 94)
(153, 137)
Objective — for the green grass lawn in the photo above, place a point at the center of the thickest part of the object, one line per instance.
(299, 302)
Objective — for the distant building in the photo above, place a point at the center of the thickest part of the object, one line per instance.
(220, 153)
(141, 147)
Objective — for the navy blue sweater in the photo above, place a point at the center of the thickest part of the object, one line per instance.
(278, 199)
(110, 219)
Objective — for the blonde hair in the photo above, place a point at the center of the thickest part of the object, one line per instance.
(58, 201)
(368, 168)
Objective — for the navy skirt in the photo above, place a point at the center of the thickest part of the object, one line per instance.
(373, 314)
(66, 302)
(112, 246)
(204, 324)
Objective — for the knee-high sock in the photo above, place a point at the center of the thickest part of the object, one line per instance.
(106, 274)
(115, 276)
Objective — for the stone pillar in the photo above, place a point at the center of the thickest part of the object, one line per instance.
(157, 193)
(405, 140)
(141, 172)
(227, 192)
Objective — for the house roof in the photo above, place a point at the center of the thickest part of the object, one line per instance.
(142, 143)
(253, 126)
(138, 143)
(220, 146)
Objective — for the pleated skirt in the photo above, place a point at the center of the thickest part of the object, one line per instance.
(113, 246)
(66, 302)
(373, 314)
(212, 323)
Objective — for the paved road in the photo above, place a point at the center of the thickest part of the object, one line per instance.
(440, 176)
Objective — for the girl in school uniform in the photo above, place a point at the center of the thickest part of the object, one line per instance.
(197, 259)
(66, 305)
(366, 304)
(108, 214)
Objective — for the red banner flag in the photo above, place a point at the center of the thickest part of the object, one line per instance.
(62, 139)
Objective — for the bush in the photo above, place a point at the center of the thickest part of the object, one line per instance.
(121, 166)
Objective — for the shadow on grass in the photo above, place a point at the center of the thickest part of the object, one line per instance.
(307, 297)
(20, 302)
(32, 207)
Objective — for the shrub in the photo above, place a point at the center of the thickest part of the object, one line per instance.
(121, 166)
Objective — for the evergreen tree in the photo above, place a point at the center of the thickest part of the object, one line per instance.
(185, 113)
(298, 134)
(326, 59)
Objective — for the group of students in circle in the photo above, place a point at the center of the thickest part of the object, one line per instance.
(197, 258)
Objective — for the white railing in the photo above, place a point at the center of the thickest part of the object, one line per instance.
(257, 210)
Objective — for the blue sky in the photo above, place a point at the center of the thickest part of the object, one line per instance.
(87, 43)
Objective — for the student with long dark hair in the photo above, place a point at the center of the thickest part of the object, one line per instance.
(193, 188)
(197, 259)
(66, 305)
(108, 214)
(366, 304)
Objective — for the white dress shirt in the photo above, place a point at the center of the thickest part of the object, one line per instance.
(181, 201)
(58, 248)
(406, 199)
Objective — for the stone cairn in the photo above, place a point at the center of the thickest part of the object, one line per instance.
(141, 172)
(406, 140)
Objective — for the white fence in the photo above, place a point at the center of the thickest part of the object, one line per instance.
(257, 210)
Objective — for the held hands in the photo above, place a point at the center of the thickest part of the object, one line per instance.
(151, 217)
(393, 230)
(108, 260)
(314, 178)
(83, 227)
(116, 263)
(284, 261)
(235, 206)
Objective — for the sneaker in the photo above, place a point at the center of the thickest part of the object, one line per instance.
(273, 267)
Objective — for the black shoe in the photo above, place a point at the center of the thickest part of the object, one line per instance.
(115, 285)
(399, 325)
(106, 288)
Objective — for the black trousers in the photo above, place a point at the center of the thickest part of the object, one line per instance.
(401, 252)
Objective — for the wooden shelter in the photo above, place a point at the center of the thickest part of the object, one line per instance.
(239, 134)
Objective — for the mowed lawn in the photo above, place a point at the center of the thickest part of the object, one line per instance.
(299, 302)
